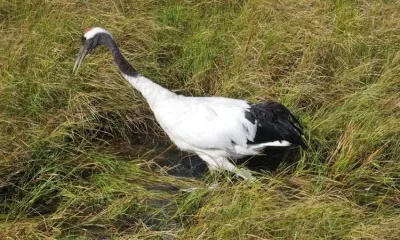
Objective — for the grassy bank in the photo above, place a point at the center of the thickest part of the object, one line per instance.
(79, 156)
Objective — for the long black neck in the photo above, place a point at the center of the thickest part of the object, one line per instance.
(153, 92)
(124, 66)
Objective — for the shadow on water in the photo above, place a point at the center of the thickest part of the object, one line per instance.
(272, 159)
(182, 164)
(164, 156)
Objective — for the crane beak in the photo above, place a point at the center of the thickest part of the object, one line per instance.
(81, 56)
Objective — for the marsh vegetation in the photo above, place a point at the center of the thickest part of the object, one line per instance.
(81, 156)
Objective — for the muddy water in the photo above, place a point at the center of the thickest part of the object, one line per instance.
(163, 154)
(181, 164)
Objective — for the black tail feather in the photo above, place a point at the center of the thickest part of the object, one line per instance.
(275, 123)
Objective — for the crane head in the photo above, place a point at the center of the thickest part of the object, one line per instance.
(91, 38)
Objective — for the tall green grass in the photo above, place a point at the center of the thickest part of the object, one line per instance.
(67, 168)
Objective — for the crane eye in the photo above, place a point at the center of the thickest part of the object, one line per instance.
(83, 39)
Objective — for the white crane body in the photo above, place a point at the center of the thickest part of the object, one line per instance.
(215, 128)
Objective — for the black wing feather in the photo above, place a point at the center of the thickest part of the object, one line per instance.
(275, 123)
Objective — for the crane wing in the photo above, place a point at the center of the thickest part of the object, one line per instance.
(207, 123)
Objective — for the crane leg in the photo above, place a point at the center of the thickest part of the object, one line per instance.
(221, 163)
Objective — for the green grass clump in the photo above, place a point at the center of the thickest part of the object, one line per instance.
(77, 155)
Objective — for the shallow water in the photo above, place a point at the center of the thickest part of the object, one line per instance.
(165, 156)
(181, 164)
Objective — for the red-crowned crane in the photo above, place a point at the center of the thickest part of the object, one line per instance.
(217, 129)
